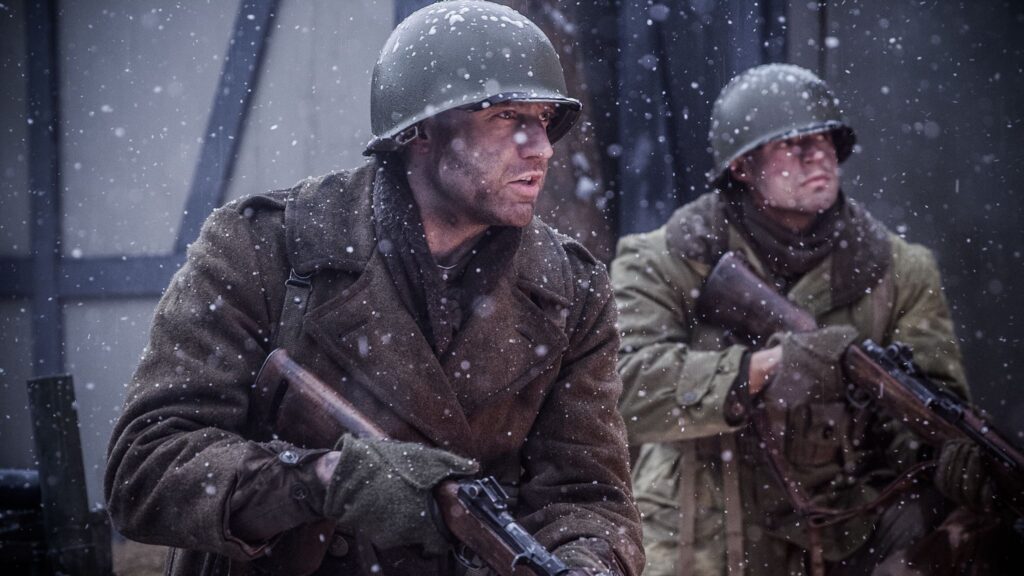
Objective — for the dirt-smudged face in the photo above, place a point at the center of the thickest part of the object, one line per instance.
(487, 166)
(794, 180)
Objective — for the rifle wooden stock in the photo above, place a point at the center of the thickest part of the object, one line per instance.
(735, 298)
(305, 411)
(308, 411)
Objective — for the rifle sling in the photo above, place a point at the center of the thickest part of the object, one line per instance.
(820, 517)
(687, 498)
(296, 299)
(733, 510)
(288, 336)
(881, 307)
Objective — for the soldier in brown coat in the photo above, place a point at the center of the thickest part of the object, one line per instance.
(420, 287)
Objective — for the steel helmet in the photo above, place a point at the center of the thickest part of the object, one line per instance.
(462, 53)
(770, 103)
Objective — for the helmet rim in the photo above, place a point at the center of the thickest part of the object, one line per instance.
(463, 53)
(769, 103)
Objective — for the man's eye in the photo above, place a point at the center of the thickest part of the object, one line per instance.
(507, 115)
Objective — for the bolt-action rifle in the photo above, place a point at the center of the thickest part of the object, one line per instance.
(300, 408)
(736, 299)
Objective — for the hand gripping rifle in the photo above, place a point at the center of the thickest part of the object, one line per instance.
(300, 408)
(735, 298)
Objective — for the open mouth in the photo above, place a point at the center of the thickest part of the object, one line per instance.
(528, 179)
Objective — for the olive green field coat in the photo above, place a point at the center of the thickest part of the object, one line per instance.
(529, 388)
(677, 371)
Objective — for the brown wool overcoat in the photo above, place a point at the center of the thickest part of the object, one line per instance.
(534, 367)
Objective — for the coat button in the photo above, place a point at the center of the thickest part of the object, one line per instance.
(299, 492)
(689, 397)
(289, 457)
(339, 546)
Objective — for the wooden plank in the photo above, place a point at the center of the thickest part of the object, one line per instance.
(77, 540)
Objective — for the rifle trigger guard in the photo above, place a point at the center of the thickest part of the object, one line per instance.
(857, 397)
(467, 557)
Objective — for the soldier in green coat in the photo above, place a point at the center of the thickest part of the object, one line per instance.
(709, 501)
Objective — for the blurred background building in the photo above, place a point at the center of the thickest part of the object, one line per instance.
(123, 123)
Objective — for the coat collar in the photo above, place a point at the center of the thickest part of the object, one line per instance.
(369, 333)
(701, 232)
(509, 341)
(329, 225)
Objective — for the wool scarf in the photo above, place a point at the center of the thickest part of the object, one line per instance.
(440, 300)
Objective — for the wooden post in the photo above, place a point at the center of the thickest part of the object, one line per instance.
(77, 540)
(22, 549)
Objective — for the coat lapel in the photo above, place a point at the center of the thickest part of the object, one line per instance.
(370, 334)
(507, 342)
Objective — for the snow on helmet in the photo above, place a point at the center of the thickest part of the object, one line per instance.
(462, 53)
(770, 103)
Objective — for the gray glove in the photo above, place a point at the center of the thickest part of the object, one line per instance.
(589, 557)
(809, 370)
(381, 489)
(961, 476)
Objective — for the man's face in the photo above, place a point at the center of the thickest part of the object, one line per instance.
(793, 178)
(488, 166)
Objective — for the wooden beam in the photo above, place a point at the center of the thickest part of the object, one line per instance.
(226, 123)
(44, 185)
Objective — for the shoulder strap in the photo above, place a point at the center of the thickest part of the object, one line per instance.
(686, 496)
(264, 400)
(296, 298)
(735, 558)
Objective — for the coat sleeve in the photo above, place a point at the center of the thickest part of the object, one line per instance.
(671, 390)
(922, 319)
(576, 491)
(176, 457)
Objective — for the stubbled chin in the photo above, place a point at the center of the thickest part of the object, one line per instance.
(818, 200)
(519, 215)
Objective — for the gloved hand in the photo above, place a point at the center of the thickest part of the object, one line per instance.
(962, 477)
(381, 489)
(589, 557)
(809, 369)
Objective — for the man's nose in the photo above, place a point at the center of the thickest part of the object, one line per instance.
(815, 152)
(533, 141)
